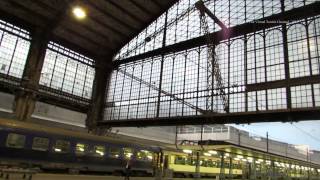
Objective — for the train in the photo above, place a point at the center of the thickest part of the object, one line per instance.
(234, 166)
(183, 165)
(49, 149)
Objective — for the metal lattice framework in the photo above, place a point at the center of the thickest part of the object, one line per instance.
(66, 76)
(214, 73)
(269, 61)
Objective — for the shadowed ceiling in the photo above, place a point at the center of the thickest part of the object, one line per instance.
(109, 25)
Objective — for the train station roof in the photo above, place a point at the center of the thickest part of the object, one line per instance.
(109, 24)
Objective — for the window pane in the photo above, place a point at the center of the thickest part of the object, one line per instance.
(114, 152)
(67, 71)
(127, 152)
(14, 48)
(40, 144)
(144, 155)
(62, 146)
(15, 140)
(190, 161)
(81, 149)
(179, 160)
(99, 151)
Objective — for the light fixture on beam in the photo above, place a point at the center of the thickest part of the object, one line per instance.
(79, 12)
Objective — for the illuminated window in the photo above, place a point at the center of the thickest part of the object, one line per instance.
(114, 152)
(144, 155)
(127, 152)
(61, 146)
(16, 140)
(40, 144)
(99, 151)
(81, 149)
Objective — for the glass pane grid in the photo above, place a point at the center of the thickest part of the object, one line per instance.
(67, 71)
(255, 60)
(14, 48)
(183, 21)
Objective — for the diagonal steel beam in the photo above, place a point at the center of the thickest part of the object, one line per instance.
(238, 30)
(154, 87)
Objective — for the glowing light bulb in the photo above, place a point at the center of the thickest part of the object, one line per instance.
(149, 157)
(187, 151)
(213, 152)
(79, 12)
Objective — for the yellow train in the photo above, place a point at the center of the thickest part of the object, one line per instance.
(246, 164)
(182, 164)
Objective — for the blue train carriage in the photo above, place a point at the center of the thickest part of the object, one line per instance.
(56, 150)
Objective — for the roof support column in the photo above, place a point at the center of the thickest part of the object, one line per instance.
(25, 98)
(99, 94)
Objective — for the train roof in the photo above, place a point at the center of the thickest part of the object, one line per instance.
(231, 148)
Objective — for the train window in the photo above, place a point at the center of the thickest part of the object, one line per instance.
(127, 152)
(15, 140)
(218, 164)
(210, 163)
(62, 146)
(235, 166)
(180, 160)
(40, 144)
(227, 165)
(204, 162)
(114, 152)
(99, 151)
(144, 155)
(81, 149)
(190, 161)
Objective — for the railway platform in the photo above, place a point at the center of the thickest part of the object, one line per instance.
(41, 176)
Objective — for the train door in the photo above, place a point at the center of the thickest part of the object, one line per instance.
(157, 164)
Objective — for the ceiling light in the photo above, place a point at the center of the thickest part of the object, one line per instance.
(212, 152)
(260, 160)
(187, 151)
(239, 156)
(79, 12)
(268, 162)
